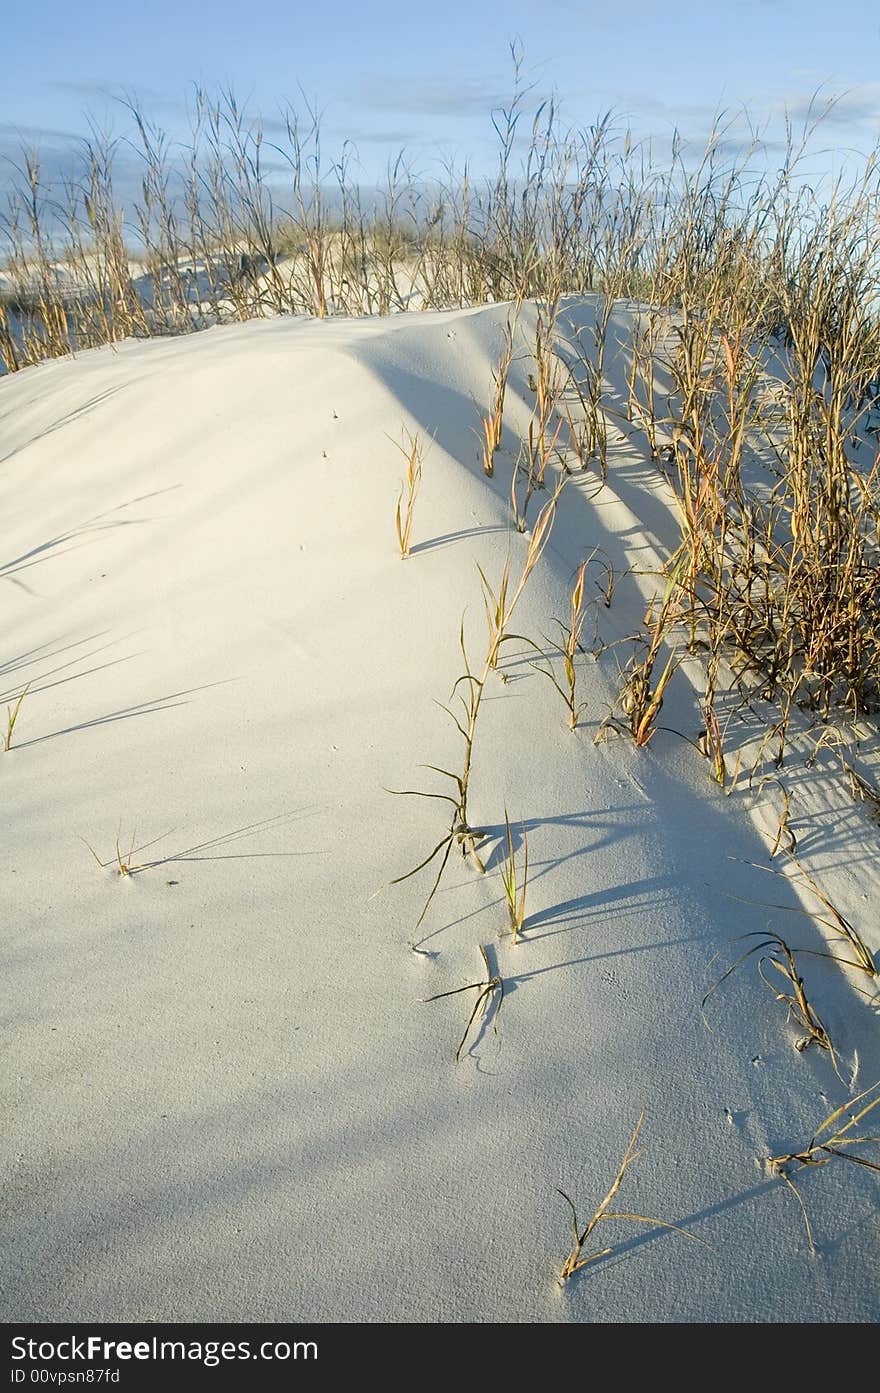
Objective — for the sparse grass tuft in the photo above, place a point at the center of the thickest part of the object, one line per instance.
(862, 957)
(487, 989)
(12, 713)
(784, 831)
(863, 791)
(412, 450)
(124, 861)
(832, 1138)
(514, 891)
(568, 649)
(469, 689)
(773, 951)
(490, 440)
(577, 1259)
(493, 421)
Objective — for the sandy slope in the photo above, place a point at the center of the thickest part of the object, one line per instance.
(223, 1097)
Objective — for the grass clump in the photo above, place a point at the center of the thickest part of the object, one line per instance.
(641, 697)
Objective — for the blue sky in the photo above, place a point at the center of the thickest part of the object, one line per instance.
(389, 74)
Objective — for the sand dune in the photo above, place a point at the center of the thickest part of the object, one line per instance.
(225, 1096)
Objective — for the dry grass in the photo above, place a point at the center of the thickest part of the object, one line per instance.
(863, 791)
(568, 648)
(577, 1258)
(712, 744)
(468, 692)
(493, 421)
(860, 955)
(500, 604)
(515, 882)
(757, 299)
(784, 839)
(486, 990)
(832, 1140)
(412, 449)
(123, 860)
(12, 714)
(545, 425)
(772, 951)
(839, 924)
(641, 697)
(490, 440)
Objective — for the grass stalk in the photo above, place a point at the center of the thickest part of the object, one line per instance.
(412, 450)
(577, 1258)
(12, 714)
(514, 888)
(832, 1140)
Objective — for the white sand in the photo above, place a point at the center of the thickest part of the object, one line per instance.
(223, 1097)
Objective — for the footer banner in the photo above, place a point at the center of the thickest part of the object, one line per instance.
(170, 1356)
